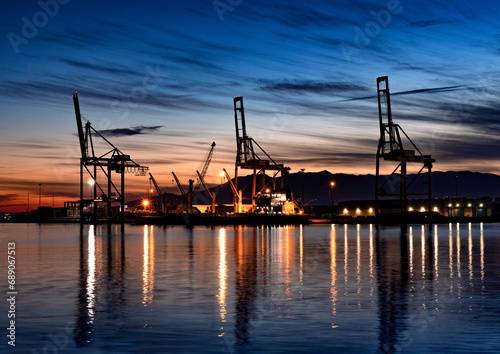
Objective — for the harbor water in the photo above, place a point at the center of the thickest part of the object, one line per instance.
(237, 289)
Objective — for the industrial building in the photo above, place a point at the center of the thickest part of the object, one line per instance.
(447, 207)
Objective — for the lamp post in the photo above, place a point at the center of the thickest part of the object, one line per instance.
(39, 195)
(91, 183)
(332, 184)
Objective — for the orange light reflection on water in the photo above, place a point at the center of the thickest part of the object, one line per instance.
(333, 270)
(222, 275)
(148, 266)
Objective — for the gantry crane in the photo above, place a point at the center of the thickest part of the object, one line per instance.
(111, 161)
(390, 148)
(161, 194)
(247, 157)
(189, 196)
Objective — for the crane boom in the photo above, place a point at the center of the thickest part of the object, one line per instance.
(208, 160)
(212, 194)
(79, 125)
(181, 188)
(238, 194)
(160, 192)
(233, 187)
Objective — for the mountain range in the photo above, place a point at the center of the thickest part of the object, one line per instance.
(314, 187)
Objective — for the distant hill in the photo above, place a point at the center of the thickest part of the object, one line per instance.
(314, 187)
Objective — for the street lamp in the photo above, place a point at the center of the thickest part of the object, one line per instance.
(39, 195)
(145, 203)
(332, 184)
(91, 183)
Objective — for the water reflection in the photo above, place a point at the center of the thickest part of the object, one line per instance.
(148, 272)
(257, 283)
(222, 277)
(301, 261)
(91, 275)
(410, 260)
(358, 257)
(245, 249)
(450, 251)
(422, 249)
(101, 285)
(333, 271)
(346, 258)
(471, 273)
(371, 253)
(482, 255)
(436, 253)
(86, 295)
(392, 275)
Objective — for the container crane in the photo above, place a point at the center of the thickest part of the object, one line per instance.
(111, 161)
(390, 148)
(247, 155)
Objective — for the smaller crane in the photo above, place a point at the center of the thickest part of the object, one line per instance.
(161, 193)
(238, 194)
(189, 196)
(210, 193)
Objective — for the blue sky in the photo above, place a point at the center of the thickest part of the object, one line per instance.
(307, 71)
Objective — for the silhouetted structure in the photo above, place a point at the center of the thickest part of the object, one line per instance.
(248, 158)
(161, 193)
(390, 148)
(111, 161)
(190, 194)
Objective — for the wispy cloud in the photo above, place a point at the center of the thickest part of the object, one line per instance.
(427, 23)
(309, 86)
(130, 131)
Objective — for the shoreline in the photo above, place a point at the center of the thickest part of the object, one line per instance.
(257, 220)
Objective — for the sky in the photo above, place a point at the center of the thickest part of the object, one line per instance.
(159, 79)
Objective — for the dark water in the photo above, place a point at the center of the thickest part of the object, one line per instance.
(328, 288)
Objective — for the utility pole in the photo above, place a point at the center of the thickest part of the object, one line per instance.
(39, 195)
